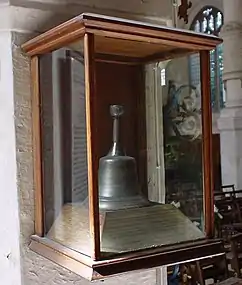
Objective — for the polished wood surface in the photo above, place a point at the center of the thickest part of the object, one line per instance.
(123, 47)
(59, 37)
(63, 256)
(36, 120)
(139, 260)
(119, 36)
(92, 139)
(207, 143)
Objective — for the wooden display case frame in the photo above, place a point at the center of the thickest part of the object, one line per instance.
(149, 43)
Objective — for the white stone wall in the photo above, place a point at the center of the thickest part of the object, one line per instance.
(230, 122)
(33, 16)
(9, 210)
(139, 7)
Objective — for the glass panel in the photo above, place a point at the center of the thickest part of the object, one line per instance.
(62, 89)
(183, 141)
(197, 26)
(220, 71)
(213, 74)
(150, 147)
(219, 20)
(212, 21)
(205, 25)
(207, 11)
(194, 69)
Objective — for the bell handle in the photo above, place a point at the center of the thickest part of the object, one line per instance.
(116, 112)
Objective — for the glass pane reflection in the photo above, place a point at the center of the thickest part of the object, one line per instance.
(183, 141)
(65, 172)
(160, 130)
(174, 163)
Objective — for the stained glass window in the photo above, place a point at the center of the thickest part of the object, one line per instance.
(210, 20)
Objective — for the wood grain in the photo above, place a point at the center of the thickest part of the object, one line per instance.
(63, 256)
(116, 30)
(37, 148)
(207, 142)
(59, 37)
(143, 28)
(94, 270)
(125, 60)
(127, 47)
(92, 139)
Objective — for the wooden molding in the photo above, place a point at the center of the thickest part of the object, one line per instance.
(37, 147)
(92, 138)
(75, 29)
(207, 143)
(94, 270)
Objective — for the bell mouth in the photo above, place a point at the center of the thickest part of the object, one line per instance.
(118, 184)
(121, 203)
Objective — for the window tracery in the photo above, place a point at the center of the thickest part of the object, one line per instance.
(210, 21)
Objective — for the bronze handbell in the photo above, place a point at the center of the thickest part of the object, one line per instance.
(117, 175)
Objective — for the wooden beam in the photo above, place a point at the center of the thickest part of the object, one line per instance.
(92, 139)
(37, 147)
(207, 142)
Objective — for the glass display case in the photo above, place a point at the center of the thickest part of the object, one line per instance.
(122, 146)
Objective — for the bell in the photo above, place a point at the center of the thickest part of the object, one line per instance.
(117, 174)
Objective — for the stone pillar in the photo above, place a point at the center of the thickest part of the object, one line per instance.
(9, 210)
(230, 121)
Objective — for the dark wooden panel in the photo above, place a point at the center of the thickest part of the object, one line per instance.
(124, 85)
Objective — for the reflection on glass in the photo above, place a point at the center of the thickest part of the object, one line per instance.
(149, 145)
(174, 166)
(183, 142)
(220, 72)
(62, 89)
